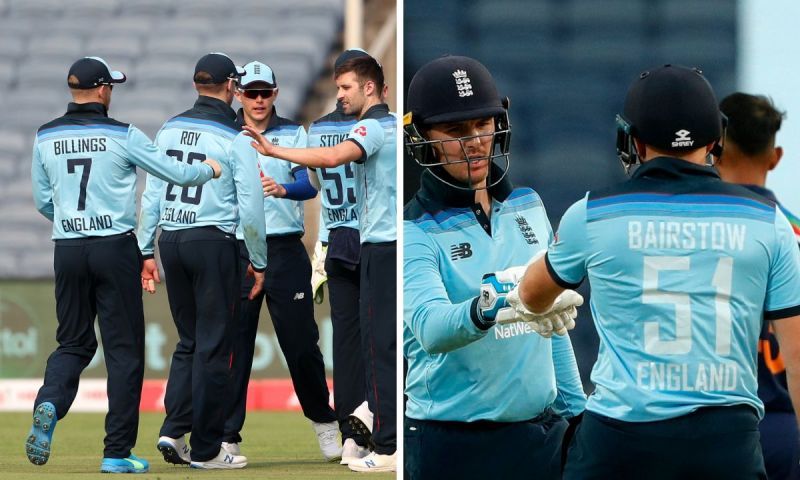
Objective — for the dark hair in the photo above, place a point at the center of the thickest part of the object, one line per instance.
(366, 68)
(753, 121)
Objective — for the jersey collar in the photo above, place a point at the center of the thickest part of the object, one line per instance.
(673, 168)
(376, 111)
(214, 105)
(436, 195)
(93, 109)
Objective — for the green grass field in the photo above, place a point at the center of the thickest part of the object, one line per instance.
(277, 445)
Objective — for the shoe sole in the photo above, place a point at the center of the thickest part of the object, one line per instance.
(373, 469)
(171, 454)
(226, 466)
(361, 429)
(121, 469)
(38, 443)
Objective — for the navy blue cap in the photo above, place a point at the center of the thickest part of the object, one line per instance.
(673, 108)
(348, 55)
(452, 89)
(219, 66)
(91, 72)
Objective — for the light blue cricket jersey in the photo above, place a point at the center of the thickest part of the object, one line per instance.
(376, 174)
(282, 216)
(683, 269)
(207, 130)
(458, 369)
(338, 184)
(84, 172)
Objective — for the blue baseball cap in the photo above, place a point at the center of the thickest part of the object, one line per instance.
(91, 72)
(257, 72)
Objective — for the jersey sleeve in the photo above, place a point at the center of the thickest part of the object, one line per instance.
(42, 190)
(145, 154)
(149, 214)
(250, 199)
(368, 134)
(570, 399)
(783, 282)
(438, 325)
(566, 256)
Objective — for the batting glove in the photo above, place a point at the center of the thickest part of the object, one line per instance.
(318, 274)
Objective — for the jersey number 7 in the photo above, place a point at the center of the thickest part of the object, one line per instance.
(86, 164)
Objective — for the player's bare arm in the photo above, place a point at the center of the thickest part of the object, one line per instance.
(788, 332)
(537, 289)
(321, 157)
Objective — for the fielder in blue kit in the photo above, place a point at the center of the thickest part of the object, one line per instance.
(84, 178)
(684, 268)
(371, 147)
(340, 237)
(474, 383)
(200, 256)
(750, 154)
(287, 287)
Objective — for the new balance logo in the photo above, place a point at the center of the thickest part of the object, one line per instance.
(370, 463)
(299, 296)
(228, 458)
(682, 139)
(460, 251)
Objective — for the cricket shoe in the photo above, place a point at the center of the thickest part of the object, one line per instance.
(40, 438)
(375, 462)
(327, 436)
(223, 460)
(361, 423)
(132, 464)
(174, 450)
(351, 452)
(232, 448)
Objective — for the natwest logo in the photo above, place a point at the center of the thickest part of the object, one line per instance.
(362, 130)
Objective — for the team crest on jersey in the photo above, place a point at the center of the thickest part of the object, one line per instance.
(526, 230)
(460, 251)
(362, 130)
(274, 140)
(463, 83)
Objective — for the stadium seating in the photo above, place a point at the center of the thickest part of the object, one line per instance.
(156, 43)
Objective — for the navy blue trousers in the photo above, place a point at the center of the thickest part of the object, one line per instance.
(710, 443)
(99, 276)
(779, 444)
(201, 268)
(378, 315)
(287, 292)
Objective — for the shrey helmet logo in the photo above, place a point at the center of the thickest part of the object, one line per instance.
(682, 138)
(463, 83)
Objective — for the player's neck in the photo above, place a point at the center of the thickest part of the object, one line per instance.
(260, 125)
(369, 103)
(482, 198)
(742, 173)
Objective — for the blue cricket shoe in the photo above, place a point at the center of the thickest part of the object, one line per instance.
(40, 438)
(132, 464)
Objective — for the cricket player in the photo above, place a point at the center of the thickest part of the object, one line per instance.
(370, 149)
(684, 268)
(487, 395)
(84, 181)
(200, 256)
(750, 154)
(287, 287)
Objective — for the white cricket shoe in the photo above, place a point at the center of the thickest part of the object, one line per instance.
(174, 450)
(223, 460)
(361, 423)
(327, 436)
(232, 448)
(375, 462)
(351, 451)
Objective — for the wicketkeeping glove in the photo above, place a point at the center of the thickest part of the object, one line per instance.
(557, 319)
(318, 275)
(492, 305)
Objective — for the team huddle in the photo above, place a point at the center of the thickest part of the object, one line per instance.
(229, 206)
(692, 278)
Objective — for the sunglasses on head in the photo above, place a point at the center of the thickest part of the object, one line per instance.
(263, 93)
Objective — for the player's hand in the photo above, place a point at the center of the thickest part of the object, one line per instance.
(258, 284)
(272, 188)
(558, 319)
(260, 143)
(318, 274)
(214, 165)
(150, 275)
